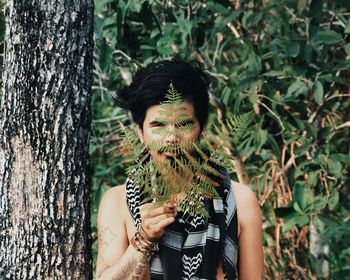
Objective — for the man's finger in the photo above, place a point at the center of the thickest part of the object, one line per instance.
(155, 220)
(165, 222)
(159, 211)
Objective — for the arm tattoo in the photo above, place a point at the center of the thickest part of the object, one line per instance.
(141, 267)
(132, 269)
(105, 236)
(125, 271)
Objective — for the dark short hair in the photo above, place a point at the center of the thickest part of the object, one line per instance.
(150, 85)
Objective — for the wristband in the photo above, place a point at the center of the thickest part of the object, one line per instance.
(142, 244)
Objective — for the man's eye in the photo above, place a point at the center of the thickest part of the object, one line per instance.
(189, 122)
(157, 124)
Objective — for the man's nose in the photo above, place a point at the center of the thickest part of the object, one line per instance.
(172, 137)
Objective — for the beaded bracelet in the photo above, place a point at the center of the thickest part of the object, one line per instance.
(144, 245)
(144, 234)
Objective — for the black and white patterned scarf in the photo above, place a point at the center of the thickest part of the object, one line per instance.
(192, 247)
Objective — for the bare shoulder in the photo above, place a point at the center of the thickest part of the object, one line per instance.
(248, 208)
(112, 200)
(114, 194)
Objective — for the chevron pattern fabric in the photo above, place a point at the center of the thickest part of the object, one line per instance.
(192, 247)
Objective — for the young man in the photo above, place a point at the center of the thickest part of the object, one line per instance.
(144, 241)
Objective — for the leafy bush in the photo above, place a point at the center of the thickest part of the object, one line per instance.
(288, 62)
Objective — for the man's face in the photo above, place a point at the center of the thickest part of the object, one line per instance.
(152, 125)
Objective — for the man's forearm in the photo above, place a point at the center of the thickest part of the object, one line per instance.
(132, 265)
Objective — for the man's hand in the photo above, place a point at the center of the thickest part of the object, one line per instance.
(155, 219)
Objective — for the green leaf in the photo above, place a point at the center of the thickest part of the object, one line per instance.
(328, 37)
(325, 222)
(255, 87)
(254, 63)
(105, 56)
(333, 200)
(274, 73)
(284, 212)
(253, 96)
(251, 19)
(313, 176)
(319, 203)
(334, 167)
(325, 133)
(295, 219)
(298, 191)
(98, 27)
(344, 65)
(297, 86)
(297, 207)
(260, 138)
(274, 145)
(308, 53)
(121, 15)
(301, 5)
(332, 78)
(322, 158)
(347, 49)
(270, 213)
(100, 5)
(292, 50)
(165, 51)
(309, 198)
(225, 95)
(347, 28)
(341, 157)
(316, 8)
(318, 92)
(135, 6)
(92, 148)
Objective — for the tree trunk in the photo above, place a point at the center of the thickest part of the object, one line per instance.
(44, 137)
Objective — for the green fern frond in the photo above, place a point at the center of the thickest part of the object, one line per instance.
(183, 121)
(130, 140)
(173, 96)
(200, 151)
(209, 191)
(186, 169)
(191, 204)
(216, 153)
(238, 125)
(175, 148)
(189, 173)
(201, 167)
(206, 179)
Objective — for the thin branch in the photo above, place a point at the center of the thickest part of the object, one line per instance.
(233, 29)
(272, 112)
(217, 75)
(336, 96)
(108, 119)
(344, 125)
(135, 62)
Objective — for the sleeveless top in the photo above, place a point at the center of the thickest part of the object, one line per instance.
(192, 246)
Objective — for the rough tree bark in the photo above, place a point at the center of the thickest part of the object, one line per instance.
(44, 137)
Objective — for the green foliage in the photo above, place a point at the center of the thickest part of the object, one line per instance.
(285, 61)
(238, 125)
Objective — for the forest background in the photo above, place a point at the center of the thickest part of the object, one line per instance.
(288, 62)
